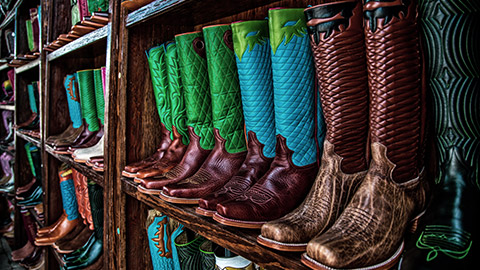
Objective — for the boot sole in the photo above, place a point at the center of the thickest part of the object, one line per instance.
(205, 212)
(137, 180)
(167, 198)
(289, 247)
(129, 174)
(80, 160)
(60, 152)
(149, 191)
(89, 164)
(385, 265)
(238, 223)
(97, 169)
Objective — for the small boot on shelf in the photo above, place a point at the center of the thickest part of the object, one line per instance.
(230, 148)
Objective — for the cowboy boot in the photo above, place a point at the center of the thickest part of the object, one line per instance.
(369, 232)
(225, 260)
(193, 70)
(83, 181)
(254, 66)
(229, 150)
(293, 170)
(159, 239)
(188, 250)
(30, 229)
(158, 71)
(79, 193)
(7, 118)
(338, 47)
(177, 148)
(33, 121)
(89, 112)
(75, 111)
(70, 218)
(34, 194)
(89, 149)
(446, 237)
(93, 98)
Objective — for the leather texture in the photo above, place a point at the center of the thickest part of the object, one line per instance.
(64, 142)
(87, 96)
(253, 58)
(159, 240)
(74, 243)
(446, 237)
(66, 133)
(291, 54)
(70, 236)
(369, 232)
(191, 161)
(279, 191)
(73, 99)
(341, 71)
(227, 112)
(83, 154)
(79, 194)
(85, 136)
(217, 169)
(64, 227)
(88, 142)
(175, 86)
(252, 169)
(193, 70)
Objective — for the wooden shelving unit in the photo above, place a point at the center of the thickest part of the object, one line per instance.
(33, 64)
(27, 138)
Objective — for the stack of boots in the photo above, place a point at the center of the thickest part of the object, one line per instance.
(94, 251)
(33, 195)
(225, 260)
(83, 154)
(173, 155)
(159, 229)
(230, 148)
(90, 81)
(158, 73)
(293, 170)
(7, 125)
(75, 128)
(33, 121)
(70, 217)
(447, 236)
(369, 233)
(339, 55)
(252, 53)
(90, 124)
(193, 69)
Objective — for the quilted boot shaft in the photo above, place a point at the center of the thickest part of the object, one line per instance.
(95, 194)
(69, 199)
(156, 57)
(338, 47)
(159, 240)
(99, 96)
(73, 99)
(193, 69)
(227, 112)
(32, 97)
(87, 96)
(293, 94)
(453, 77)
(253, 58)
(104, 80)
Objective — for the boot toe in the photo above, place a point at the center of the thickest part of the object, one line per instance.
(280, 232)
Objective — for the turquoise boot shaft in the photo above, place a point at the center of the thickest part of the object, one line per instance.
(73, 99)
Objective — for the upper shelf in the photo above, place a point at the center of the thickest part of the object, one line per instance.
(151, 10)
(239, 241)
(33, 64)
(81, 42)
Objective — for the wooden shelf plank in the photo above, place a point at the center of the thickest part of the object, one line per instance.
(240, 241)
(80, 42)
(27, 138)
(151, 10)
(7, 107)
(82, 168)
(33, 64)
(4, 67)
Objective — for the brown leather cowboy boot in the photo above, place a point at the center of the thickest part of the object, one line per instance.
(370, 230)
(337, 40)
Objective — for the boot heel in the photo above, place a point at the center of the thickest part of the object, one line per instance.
(414, 222)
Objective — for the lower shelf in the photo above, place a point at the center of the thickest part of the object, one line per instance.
(239, 241)
(27, 138)
(95, 176)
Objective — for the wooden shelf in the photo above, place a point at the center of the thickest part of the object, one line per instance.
(7, 107)
(33, 64)
(240, 241)
(80, 42)
(35, 216)
(4, 67)
(27, 138)
(83, 169)
(151, 10)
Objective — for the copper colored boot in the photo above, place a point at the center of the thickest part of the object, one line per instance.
(369, 232)
(339, 52)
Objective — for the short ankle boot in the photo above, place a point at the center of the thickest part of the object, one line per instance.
(369, 233)
(158, 73)
(255, 76)
(230, 148)
(446, 237)
(291, 174)
(339, 54)
(193, 70)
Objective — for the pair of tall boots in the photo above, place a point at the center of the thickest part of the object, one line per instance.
(448, 234)
(7, 121)
(369, 77)
(31, 125)
(30, 194)
(169, 97)
(85, 96)
(30, 255)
